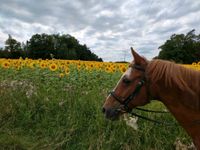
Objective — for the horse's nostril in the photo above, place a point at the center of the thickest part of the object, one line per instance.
(103, 110)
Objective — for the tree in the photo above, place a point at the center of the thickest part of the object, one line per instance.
(181, 48)
(60, 46)
(40, 46)
(13, 47)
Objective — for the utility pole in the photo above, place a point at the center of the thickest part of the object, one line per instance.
(125, 52)
(124, 55)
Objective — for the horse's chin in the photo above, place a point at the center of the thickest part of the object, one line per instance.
(113, 118)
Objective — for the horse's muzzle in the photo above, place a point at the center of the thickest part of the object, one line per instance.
(111, 113)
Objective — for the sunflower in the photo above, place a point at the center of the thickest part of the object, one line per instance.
(91, 65)
(194, 64)
(61, 75)
(62, 65)
(98, 66)
(17, 65)
(67, 62)
(5, 64)
(31, 65)
(67, 71)
(43, 65)
(109, 69)
(122, 69)
(53, 67)
(79, 66)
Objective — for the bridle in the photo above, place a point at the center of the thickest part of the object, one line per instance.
(125, 102)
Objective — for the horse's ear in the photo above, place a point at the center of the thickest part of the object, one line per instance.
(137, 58)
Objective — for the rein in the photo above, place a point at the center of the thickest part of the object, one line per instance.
(152, 111)
(152, 120)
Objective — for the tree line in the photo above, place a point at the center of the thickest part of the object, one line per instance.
(47, 46)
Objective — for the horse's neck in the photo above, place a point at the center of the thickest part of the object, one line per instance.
(175, 99)
(185, 115)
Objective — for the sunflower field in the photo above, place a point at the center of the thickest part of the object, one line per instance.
(56, 104)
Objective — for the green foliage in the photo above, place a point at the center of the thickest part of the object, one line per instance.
(181, 48)
(39, 110)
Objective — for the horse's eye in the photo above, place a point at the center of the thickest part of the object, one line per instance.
(126, 81)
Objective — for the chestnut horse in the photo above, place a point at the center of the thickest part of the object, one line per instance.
(177, 87)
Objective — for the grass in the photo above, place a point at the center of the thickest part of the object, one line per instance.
(39, 110)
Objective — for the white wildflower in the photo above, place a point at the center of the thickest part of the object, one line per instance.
(131, 121)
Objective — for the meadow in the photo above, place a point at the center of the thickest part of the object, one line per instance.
(56, 104)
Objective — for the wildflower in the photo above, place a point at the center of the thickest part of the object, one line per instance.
(131, 121)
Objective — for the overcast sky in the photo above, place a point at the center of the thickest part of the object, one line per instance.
(108, 27)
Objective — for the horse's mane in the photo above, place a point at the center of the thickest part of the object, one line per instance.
(175, 75)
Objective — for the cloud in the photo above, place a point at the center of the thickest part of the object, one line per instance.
(107, 27)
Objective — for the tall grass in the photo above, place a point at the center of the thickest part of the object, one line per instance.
(39, 110)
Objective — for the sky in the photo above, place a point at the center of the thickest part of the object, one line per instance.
(108, 27)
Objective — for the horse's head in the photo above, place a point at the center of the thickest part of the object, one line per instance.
(130, 91)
